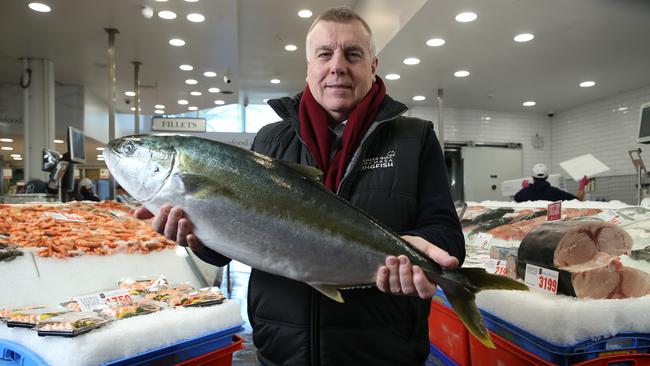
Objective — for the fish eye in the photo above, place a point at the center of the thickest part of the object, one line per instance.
(128, 148)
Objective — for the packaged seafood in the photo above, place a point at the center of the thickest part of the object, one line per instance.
(71, 324)
(121, 311)
(31, 317)
(203, 297)
(142, 286)
(5, 312)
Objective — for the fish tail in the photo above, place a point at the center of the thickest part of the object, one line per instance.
(460, 286)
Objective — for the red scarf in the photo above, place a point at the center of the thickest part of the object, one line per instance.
(315, 131)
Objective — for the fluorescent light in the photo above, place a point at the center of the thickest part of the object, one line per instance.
(191, 1)
(411, 61)
(190, 82)
(58, 141)
(219, 102)
(461, 73)
(133, 109)
(209, 74)
(392, 76)
(100, 148)
(6, 140)
(18, 158)
(166, 14)
(524, 37)
(587, 84)
(177, 42)
(304, 13)
(159, 106)
(186, 67)
(214, 90)
(182, 102)
(196, 93)
(159, 111)
(275, 81)
(192, 108)
(528, 103)
(466, 17)
(435, 42)
(291, 47)
(195, 17)
(129, 93)
(7, 148)
(15, 155)
(100, 156)
(40, 7)
(418, 98)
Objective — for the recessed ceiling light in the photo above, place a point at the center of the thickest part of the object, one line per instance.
(392, 76)
(193, 108)
(486, 118)
(6, 140)
(15, 155)
(304, 13)
(195, 17)
(58, 141)
(291, 47)
(196, 93)
(587, 84)
(133, 109)
(435, 42)
(190, 82)
(100, 148)
(411, 61)
(219, 102)
(209, 74)
(159, 111)
(461, 73)
(177, 42)
(186, 67)
(275, 81)
(524, 37)
(418, 98)
(166, 14)
(159, 106)
(40, 7)
(466, 17)
(214, 90)
(528, 103)
(161, 1)
(7, 148)
(129, 93)
(182, 102)
(191, 1)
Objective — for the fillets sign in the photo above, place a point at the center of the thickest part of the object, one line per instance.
(178, 124)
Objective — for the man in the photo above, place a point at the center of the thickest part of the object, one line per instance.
(542, 190)
(86, 191)
(388, 165)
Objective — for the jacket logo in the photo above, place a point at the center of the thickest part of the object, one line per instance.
(378, 162)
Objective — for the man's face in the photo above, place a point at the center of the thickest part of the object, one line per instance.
(340, 68)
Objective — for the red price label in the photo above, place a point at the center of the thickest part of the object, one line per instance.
(497, 267)
(119, 299)
(548, 284)
(554, 211)
(540, 278)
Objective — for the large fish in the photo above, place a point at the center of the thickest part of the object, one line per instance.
(277, 217)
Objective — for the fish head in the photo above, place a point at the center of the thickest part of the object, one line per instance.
(140, 164)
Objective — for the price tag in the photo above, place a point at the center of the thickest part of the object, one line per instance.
(103, 299)
(540, 278)
(611, 217)
(497, 267)
(64, 216)
(554, 211)
(483, 240)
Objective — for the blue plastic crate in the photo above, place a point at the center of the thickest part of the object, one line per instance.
(438, 358)
(14, 354)
(564, 355)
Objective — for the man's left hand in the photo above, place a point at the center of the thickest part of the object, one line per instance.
(399, 277)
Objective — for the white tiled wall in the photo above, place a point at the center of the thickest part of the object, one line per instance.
(606, 128)
(471, 125)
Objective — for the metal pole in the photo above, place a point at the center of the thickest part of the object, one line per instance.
(136, 81)
(441, 124)
(111, 98)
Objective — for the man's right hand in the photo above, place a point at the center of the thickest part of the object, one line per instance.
(170, 222)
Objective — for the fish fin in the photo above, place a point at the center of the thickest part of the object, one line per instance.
(465, 307)
(201, 186)
(331, 292)
(307, 171)
(483, 280)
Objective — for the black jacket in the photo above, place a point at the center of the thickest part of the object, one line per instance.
(542, 190)
(398, 176)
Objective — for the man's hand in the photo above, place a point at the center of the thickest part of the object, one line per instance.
(399, 277)
(170, 222)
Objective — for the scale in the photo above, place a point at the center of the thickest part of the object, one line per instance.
(642, 177)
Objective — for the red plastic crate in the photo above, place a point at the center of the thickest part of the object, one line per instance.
(505, 353)
(220, 357)
(447, 333)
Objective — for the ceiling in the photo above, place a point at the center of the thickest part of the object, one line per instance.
(600, 40)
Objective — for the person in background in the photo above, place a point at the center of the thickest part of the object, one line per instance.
(390, 166)
(541, 189)
(86, 192)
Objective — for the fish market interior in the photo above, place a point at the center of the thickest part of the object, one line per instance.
(541, 110)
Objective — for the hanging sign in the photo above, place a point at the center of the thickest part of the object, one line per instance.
(178, 124)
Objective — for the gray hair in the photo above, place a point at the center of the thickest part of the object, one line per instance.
(341, 14)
